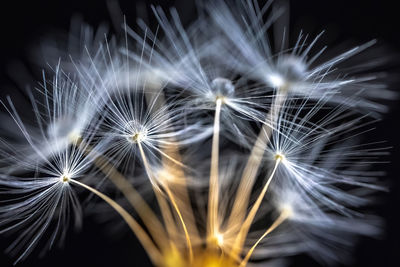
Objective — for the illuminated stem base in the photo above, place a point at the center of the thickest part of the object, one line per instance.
(202, 258)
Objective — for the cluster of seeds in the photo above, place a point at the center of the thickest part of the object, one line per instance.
(227, 148)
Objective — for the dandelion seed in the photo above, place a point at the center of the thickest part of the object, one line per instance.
(200, 79)
(250, 53)
(44, 200)
(62, 115)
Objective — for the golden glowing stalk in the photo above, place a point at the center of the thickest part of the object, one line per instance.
(143, 237)
(213, 194)
(239, 242)
(145, 213)
(189, 243)
(167, 216)
(171, 160)
(171, 197)
(179, 189)
(254, 161)
(284, 215)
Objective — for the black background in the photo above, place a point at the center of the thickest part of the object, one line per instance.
(24, 23)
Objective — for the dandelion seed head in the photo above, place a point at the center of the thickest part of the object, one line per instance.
(276, 80)
(65, 178)
(138, 137)
(292, 68)
(136, 132)
(63, 129)
(287, 202)
(281, 157)
(44, 200)
(287, 209)
(289, 71)
(222, 88)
